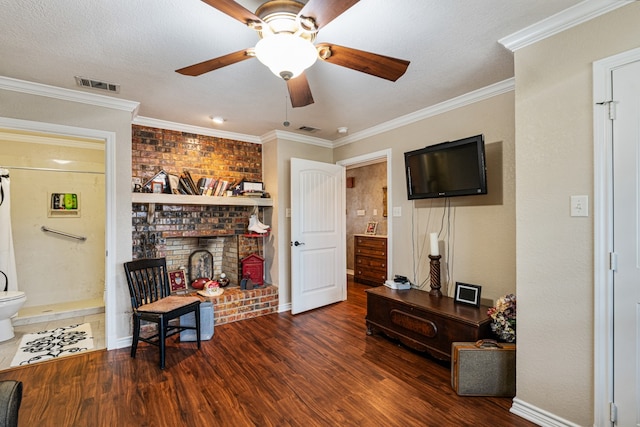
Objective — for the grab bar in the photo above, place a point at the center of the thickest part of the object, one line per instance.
(62, 233)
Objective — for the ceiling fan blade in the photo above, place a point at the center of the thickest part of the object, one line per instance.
(299, 91)
(371, 63)
(325, 11)
(215, 63)
(234, 10)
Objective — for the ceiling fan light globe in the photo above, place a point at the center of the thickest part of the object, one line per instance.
(286, 54)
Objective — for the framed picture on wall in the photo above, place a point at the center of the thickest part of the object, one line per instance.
(372, 227)
(178, 280)
(200, 265)
(467, 294)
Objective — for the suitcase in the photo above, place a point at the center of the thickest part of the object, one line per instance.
(483, 368)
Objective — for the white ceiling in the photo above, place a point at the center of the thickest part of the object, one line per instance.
(452, 45)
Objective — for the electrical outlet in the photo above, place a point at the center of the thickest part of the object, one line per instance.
(360, 212)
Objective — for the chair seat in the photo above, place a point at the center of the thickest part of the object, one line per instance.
(167, 304)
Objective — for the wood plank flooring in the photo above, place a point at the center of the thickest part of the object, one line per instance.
(313, 369)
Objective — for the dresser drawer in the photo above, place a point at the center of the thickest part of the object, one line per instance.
(375, 243)
(372, 252)
(373, 277)
(370, 260)
(371, 263)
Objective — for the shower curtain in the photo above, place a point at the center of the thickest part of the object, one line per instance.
(8, 276)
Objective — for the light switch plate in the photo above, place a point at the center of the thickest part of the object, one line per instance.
(397, 211)
(579, 205)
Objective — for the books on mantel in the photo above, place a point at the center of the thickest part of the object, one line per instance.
(254, 193)
(205, 186)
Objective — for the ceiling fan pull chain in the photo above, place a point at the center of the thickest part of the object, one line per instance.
(286, 117)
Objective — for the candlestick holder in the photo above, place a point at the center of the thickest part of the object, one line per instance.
(435, 275)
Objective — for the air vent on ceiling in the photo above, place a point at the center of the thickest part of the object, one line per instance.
(96, 84)
(308, 129)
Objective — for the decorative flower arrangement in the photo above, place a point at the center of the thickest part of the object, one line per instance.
(504, 318)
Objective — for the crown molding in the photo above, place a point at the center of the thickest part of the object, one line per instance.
(575, 15)
(30, 138)
(198, 130)
(452, 104)
(132, 106)
(23, 86)
(295, 137)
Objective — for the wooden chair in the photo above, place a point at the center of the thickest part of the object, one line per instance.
(152, 301)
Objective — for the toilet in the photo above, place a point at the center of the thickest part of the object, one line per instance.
(10, 303)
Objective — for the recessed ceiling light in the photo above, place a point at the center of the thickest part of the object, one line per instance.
(343, 130)
(218, 120)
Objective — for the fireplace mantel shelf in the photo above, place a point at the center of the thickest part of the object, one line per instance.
(180, 199)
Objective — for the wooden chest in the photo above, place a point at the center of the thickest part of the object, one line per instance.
(425, 322)
(370, 259)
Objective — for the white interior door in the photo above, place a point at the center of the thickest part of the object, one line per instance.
(626, 243)
(318, 260)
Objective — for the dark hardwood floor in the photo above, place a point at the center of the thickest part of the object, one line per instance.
(313, 369)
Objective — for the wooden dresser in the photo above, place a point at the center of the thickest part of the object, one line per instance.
(424, 322)
(370, 259)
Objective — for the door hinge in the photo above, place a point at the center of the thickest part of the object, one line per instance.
(613, 261)
(611, 107)
(613, 412)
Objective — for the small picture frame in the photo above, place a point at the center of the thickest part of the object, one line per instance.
(157, 187)
(159, 183)
(372, 227)
(178, 280)
(200, 265)
(467, 294)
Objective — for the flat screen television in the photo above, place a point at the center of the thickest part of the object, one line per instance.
(453, 168)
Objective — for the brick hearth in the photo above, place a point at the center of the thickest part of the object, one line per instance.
(174, 231)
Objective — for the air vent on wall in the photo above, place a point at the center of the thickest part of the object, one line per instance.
(96, 84)
(308, 129)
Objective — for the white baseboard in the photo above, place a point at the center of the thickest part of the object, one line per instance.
(122, 342)
(538, 416)
(284, 307)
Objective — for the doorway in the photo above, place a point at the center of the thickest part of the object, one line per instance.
(616, 370)
(357, 224)
(59, 243)
(109, 139)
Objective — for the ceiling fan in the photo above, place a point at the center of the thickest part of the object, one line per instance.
(287, 31)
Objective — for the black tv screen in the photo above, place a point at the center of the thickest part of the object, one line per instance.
(453, 168)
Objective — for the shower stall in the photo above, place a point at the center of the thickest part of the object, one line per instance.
(58, 223)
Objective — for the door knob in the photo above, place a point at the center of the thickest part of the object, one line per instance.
(296, 243)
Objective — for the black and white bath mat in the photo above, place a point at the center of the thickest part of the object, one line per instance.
(54, 343)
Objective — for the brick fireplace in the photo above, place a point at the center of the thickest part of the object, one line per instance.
(174, 231)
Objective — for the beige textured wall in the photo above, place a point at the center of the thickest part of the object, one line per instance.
(481, 238)
(554, 160)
